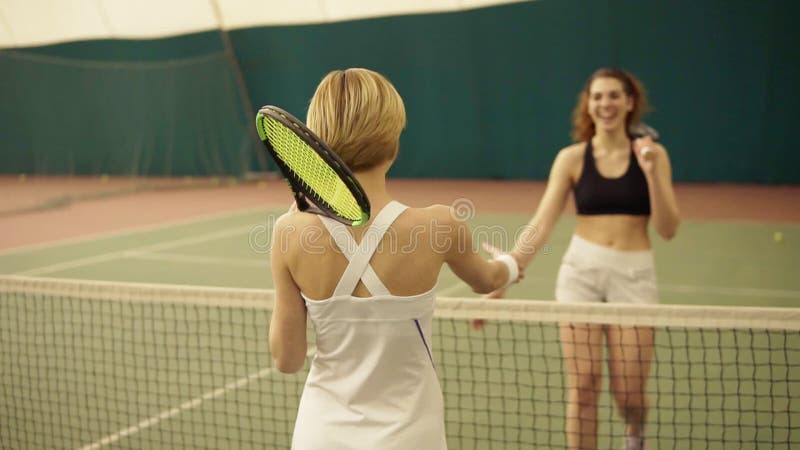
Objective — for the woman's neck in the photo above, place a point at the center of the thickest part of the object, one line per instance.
(611, 140)
(374, 183)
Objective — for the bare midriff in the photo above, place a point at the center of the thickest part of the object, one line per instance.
(615, 231)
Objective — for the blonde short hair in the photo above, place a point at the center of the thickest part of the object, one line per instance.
(360, 115)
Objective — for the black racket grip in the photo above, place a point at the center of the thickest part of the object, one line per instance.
(640, 130)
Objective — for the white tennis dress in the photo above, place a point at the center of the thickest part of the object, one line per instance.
(372, 383)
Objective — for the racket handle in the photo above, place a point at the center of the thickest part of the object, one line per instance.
(302, 203)
(643, 130)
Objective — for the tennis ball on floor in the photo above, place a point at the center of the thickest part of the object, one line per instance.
(232, 182)
(215, 181)
(22, 178)
(262, 184)
(104, 178)
(187, 180)
(778, 236)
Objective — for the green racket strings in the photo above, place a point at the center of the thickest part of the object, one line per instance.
(311, 170)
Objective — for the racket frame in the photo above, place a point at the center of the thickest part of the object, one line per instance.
(304, 200)
(642, 129)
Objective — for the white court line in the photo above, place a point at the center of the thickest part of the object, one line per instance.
(186, 406)
(194, 259)
(80, 262)
(132, 230)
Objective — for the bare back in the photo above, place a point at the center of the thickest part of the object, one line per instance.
(408, 259)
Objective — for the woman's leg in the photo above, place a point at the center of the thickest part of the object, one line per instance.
(630, 352)
(582, 345)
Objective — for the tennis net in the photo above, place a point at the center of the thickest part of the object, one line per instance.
(90, 365)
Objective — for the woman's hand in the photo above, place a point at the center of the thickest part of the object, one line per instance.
(495, 252)
(647, 153)
(478, 324)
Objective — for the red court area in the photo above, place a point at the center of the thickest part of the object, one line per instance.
(36, 210)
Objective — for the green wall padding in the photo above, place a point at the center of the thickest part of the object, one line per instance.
(169, 107)
(489, 91)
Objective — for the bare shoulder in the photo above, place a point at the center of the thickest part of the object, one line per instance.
(445, 225)
(439, 214)
(569, 163)
(434, 220)
(571, 154)
(296, 219)
(293, 224)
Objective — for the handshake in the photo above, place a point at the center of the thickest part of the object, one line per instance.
(515, 274)
(512, 263)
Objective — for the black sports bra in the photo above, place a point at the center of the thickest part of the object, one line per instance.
(596, 194)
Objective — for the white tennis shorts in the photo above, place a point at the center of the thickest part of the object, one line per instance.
(593, 273)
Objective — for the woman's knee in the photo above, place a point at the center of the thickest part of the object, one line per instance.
(586, 387)
(631, 403)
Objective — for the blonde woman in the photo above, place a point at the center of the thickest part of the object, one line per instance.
(369, 291)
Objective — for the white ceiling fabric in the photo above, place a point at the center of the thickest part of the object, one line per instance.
(25, 23)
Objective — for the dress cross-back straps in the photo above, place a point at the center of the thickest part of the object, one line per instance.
(359, 255)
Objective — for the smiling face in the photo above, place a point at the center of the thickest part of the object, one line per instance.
(611, 100)
(608, 104)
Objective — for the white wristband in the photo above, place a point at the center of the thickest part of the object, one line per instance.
(513, 269)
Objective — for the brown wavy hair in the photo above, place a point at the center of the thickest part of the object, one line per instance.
(582, 124)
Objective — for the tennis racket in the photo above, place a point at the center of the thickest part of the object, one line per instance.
(320, 181)
(640, 130)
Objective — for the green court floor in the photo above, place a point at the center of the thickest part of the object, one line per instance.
(116, 376)
(708, 263)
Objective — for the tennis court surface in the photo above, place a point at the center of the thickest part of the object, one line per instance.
(155, 336)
